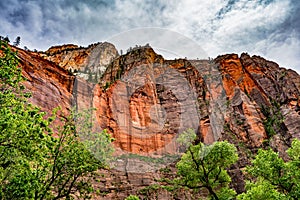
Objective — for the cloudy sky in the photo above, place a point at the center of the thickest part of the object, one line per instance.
(270, 28)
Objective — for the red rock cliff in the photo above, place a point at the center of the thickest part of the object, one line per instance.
(230, 94)
(51, 86)
(144, 100)
(89, 62)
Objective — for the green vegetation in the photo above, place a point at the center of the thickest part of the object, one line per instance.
(274, 118)
(273, 177)
(165, 170)
(149, 189)
(34, 164)
(270, 177)
(205, 166)
(132, 197)
(107, 85)
(159, 160)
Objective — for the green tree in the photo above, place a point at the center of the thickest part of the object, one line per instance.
(22, 126)
(17, 41)
(204, 166)
(6, 39)
(272, 177)
(33, 163)
(261, 190)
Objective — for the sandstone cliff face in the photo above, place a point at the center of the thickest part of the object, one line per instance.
(145, 101)
(141, 93)
(50, 85)
(280, 85)
(260, 90)
(249, 101)
(230, 94)
(88, 63)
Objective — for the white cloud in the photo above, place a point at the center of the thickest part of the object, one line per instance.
(265, 27)
(285, 53)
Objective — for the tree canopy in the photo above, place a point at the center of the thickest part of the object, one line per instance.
(33, 163)
(204, 166)
(272, 177)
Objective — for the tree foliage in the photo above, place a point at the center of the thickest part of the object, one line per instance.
(17, 41)
(204, 166)
(33, 163)
(273, 177)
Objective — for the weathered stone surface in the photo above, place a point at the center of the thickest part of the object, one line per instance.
(149, 101)
(145, 102)
(50, 85)
(118, 185)
(141, 92)
(88, 62)
(261, 83)
(280, 85)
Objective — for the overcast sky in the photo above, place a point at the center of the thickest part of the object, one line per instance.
(270, 28)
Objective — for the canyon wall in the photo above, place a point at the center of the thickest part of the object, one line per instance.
(145, 102)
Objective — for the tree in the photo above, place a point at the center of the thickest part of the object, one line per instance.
(17, 41)
(204, 166)
(21, 124)
(6, 39)
(33, 163)
(261, 190)
(272, 177)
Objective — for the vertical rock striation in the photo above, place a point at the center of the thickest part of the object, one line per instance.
(144, 101)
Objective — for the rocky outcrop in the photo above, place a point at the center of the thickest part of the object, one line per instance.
(271, 91)
(51, 76)
(229, 92)
(116, 184)
(88, 63)
(50, 85)
(282, 88)
(140, 93)
(145, 102)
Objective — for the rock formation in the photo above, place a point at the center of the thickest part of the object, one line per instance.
(51, 86)
(145, 101)
(149, 100)
(88, 63)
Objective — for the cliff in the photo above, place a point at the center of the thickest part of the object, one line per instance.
(229, 93)
(87, 62)
(62, 75)
(249, 101)
(51, 86)
(145, 101)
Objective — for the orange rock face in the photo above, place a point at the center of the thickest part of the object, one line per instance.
(252, 83)
(145, 101)
(151, 101)
(50, 85)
